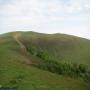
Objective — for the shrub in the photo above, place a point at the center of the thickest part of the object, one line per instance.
(47, 63)
(83, 68)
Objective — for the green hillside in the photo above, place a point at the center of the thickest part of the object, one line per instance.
(36, 61)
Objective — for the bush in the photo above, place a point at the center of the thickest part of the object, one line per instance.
(87, 77)
(83, 68)
(47, 63)
(32, 49)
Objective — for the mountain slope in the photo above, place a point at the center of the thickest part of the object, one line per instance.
(60, 47)
(19, 52)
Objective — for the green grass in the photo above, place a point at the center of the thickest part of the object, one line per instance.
(35, 79)
(62, 48)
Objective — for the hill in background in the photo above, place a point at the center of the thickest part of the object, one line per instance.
(36, 61)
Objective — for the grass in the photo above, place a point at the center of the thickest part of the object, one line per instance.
(35, 79)
(60, 47)
(63, 48)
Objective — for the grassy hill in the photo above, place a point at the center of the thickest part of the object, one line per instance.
(33, 61)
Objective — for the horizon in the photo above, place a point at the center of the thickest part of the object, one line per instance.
(70, 17)
(45, 33)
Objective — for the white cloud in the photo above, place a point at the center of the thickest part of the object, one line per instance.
(76, 6)
(43, 6)
(46, 15)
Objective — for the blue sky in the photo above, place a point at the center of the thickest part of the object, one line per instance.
(47, 16)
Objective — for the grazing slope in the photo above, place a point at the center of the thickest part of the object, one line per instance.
(21, 53)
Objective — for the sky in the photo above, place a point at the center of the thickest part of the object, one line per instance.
(46, 16)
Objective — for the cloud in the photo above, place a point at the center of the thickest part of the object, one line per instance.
(45, 15)
(49, 7)
(77, 6)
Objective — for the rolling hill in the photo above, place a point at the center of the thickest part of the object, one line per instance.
(37, 61)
